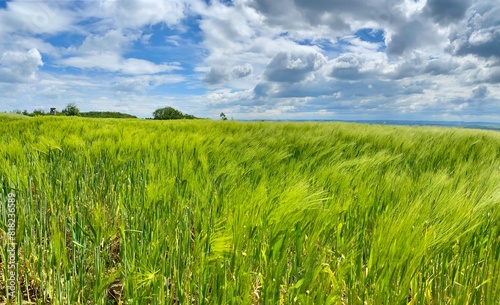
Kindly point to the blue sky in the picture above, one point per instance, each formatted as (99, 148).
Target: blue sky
(255, 59)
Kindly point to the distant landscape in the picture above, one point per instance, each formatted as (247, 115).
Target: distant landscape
(169, 113)
(458, 124)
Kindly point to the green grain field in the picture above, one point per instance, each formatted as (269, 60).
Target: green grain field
(204, 212)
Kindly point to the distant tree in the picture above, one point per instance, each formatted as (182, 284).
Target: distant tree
(71, 110)
(25, 112)
(223, 116)
(189, 117)
(38, 112)
(169, 113)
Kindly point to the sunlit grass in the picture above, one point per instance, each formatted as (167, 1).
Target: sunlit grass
(148, 212)
(12, 116)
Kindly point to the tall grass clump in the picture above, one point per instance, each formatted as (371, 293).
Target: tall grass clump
(201, 212)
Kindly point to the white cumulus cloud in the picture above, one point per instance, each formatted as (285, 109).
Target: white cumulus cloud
(19, 67)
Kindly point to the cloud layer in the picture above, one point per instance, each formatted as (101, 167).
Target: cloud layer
(293, 59)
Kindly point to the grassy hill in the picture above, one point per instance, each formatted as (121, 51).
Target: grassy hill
(12, 116)
(106, 114)
(204, 212)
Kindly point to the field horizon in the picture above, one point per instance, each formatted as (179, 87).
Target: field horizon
(486, 125)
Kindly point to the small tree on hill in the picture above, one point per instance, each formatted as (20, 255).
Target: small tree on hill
(169, 113)
(223, 116)
(71, 110)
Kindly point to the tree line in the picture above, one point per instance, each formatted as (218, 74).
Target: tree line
(165, 113)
